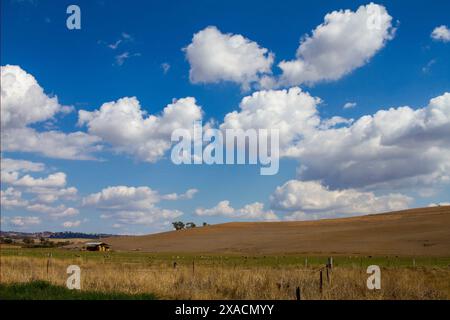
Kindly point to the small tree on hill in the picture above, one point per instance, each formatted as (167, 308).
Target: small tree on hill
(178, 225)
(190, 225)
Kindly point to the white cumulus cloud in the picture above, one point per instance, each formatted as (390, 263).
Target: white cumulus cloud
(40, 191)
(253, 211)
(345, 41)
(23, 222)
(71, 224)
(441, 33)
(12, 198)
(396, 147)
(25, 103)
(60, 211)
(11, 165)
(293, 112)
(349, 105)
(23, 100)
(215, 56)
(52, 181)
(129, 129)
(134, 205)
(311, 198)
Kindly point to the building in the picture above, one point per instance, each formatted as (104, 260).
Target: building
(97, 246)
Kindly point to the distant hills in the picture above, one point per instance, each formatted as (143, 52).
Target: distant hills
(54, 235)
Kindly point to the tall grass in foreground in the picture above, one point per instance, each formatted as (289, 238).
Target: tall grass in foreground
(231, 282)
(43, 290)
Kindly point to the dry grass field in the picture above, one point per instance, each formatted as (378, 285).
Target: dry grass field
(231, 277)
(416, 232)
(260, 260)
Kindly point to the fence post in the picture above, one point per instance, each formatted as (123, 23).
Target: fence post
(321, 281)
(193, 266)
(298, 294)
(330, 262)
(328, 275)
(48, 262)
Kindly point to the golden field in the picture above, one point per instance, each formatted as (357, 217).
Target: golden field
(260, 260)
(206, 280)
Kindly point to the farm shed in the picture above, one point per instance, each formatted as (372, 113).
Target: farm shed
(97, 246)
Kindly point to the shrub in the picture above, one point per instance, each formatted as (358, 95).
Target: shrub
(178, 225)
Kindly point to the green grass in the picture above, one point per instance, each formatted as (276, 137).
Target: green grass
(42, 290)
(167, 259)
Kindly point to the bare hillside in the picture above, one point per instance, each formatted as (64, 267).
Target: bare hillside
(423, 231)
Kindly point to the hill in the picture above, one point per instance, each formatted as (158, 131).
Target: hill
(53, 235)
(418, 232)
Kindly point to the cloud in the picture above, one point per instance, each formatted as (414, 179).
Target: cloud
(120, 42)
(54, 180)
(334, 122)
(124, 197)
(392, 148)
(50, 195)
(293, 112)
(23, 222)
(174, 196)
(12, 198)
(427, 67)
(127, 36)
(11, 165)
(166, 67)
(121, 58)
(369, 152)
(350, 105)
(254, 211)
(215, 56)
(129, 129)
(115, 45)
(24, 103)
(134, 205)
(441, 204)
(41, 191)
(441, 33)
(71, 224)
(303, 199)
(153, 216)
(124, 38)
(52, 144)
(345, 41)
(120, 197)
(60, 211)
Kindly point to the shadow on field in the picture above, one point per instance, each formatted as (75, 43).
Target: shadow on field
(42, 290)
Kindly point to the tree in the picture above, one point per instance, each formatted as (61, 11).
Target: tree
(205, 224)
(178, 225)
(28, 240)
(7, 240)
(190, 225)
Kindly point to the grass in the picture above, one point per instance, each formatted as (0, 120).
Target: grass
(43, 290)
(229, 260)
(226, 277)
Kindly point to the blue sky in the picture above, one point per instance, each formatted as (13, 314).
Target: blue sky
(83, 70)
